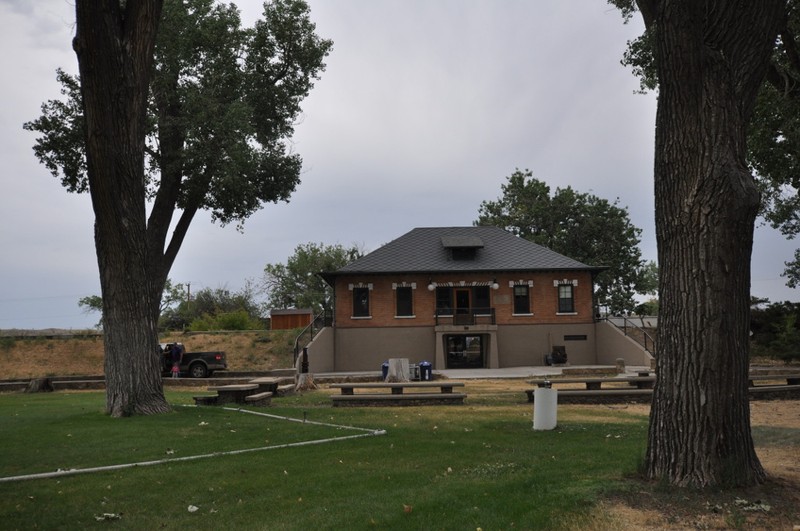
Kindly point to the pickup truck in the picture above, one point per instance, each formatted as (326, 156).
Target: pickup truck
(195, 364)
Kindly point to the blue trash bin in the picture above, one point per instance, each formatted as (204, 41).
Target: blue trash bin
(425, 371)
(384, 370)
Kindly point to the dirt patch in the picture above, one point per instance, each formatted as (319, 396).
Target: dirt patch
(774, 505)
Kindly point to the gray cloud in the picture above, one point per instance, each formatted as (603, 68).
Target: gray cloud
(424, 110)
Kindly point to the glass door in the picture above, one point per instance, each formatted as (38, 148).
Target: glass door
(464, 352)
(463, 314)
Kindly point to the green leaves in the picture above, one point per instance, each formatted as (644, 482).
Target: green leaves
(578, 225)
(223, 103)
(297, 284)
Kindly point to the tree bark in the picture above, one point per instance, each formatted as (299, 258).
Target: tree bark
(114, 43)
(712, 57)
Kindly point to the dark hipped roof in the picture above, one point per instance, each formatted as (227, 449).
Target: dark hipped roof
(428, 250)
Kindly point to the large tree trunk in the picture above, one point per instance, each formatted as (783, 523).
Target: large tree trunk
(711, 58)
(114, 45)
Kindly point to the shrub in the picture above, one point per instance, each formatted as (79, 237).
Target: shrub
(237, 320)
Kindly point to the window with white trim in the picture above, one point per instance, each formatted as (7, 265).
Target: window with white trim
(404, 302)
(360, 302)
(566, 298)
(522, 299)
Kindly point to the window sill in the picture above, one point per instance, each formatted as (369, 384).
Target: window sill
(521, 315)
(405, 316)
(361, 318)
(566, 313)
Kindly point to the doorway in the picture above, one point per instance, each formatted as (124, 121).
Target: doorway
(464, 351)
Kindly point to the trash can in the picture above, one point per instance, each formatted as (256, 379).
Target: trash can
(545, 408)
(425, 371)
(384, 370)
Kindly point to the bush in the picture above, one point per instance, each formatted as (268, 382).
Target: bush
(786, 345)
(7, 343)
(238, 320)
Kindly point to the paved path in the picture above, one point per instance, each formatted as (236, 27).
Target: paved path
(471, 374)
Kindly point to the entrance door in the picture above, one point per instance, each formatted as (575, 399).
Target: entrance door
(464, 352)
(463, 314)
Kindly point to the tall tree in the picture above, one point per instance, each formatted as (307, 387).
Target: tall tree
(114, 43)
(582, 226)
(213, 134)
(711, 58)
(297, 283)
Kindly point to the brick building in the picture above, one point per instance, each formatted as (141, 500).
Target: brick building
(459, 297)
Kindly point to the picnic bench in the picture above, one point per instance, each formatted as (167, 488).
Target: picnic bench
(640, 382)
(397, 395)
(641, 388)
(790, 378)
(235, 393)
(277, 385)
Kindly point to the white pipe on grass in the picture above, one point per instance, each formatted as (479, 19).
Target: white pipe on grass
(75, 471)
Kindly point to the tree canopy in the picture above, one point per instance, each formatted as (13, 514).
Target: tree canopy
(578, 225)
(297, 284)
(215, 309)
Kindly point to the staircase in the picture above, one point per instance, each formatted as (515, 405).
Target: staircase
(320, 321)
(641, 335)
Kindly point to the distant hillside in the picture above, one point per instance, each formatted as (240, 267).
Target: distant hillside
(48, 353)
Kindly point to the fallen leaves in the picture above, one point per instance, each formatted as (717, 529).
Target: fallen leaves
(105, 517)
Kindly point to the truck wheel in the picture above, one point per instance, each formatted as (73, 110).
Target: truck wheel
(198, 370)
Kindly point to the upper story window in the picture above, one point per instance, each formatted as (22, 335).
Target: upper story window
(444, 301)
(360, 302)
(566, 298)
(522, 300)
(404, 301)
(481, 300)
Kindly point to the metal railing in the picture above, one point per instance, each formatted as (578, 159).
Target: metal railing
(472, 316)
(320, 321)
(641, 336)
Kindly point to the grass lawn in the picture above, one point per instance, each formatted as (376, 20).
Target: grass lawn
(479, 465)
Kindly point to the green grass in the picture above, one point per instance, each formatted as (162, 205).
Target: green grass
(451, 467)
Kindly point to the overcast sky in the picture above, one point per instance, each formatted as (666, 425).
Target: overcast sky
(425, 108)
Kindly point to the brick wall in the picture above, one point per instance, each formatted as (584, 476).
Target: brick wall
(543, 297)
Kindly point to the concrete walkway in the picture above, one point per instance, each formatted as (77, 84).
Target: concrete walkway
(486, 374)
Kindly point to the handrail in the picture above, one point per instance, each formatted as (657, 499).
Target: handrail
(471, 317)
(647, 342)
(320, 321)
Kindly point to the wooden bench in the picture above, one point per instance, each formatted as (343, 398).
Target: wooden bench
(259, 399)
(205, 400)
(272, 383)
(640, 382)
(790, 378)
(396, 387)
(235, 393)
(599, 396)
(397, 395)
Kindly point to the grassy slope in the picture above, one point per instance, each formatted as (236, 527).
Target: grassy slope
(26, 358)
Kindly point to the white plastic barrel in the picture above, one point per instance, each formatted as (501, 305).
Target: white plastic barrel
(545, 408)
